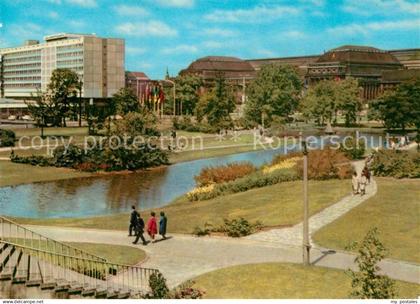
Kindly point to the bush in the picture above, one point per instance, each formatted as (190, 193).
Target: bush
(202, 231)
(396, 163)
(7, 138)
(353, 148)
(224, 173)
(233, 228)
(158, 287)
(34, 160)
(187, 291)
(239, 227)
(68, 157)
(326, 164)
(199, 192)
(186, 123)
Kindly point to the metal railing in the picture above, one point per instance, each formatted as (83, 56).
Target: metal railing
(76, 272)
(19, 235)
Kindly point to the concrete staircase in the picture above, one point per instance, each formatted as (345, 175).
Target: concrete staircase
(31, 269)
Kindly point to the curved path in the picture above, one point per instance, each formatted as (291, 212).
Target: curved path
(183, 257)
(293, 235)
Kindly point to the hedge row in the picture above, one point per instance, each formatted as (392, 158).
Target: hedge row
(119, 159)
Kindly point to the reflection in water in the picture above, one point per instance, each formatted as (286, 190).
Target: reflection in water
(111, 194)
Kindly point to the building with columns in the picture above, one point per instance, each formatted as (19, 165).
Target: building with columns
(375, 69)
(360, 62)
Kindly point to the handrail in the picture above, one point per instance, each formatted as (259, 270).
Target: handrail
(87, 272)
(70, 256)
(40, 238)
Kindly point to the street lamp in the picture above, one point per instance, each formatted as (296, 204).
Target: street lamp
(306, 246)
(88, 116)
(174, 92)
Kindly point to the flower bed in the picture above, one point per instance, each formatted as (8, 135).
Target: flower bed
(222, 174)
(287, 163)
(254, 180)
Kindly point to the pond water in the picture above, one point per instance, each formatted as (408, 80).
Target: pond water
(83, 197)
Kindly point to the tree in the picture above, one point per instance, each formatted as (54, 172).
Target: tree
(324, 99)
(320, 102)
(125, 101)
(399, 108)
(348, 99)
(137, 123)
(274, 92)
(63, 88)
(367, 283)
(220, 103)
(44, 110)
(187, 92)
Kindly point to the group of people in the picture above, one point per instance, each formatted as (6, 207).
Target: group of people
(401, 142)
(138, 227)
(359, 182)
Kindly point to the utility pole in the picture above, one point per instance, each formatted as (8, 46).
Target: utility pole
(306, 245)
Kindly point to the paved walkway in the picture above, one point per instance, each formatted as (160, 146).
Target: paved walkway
(293, 235)
(184, 257)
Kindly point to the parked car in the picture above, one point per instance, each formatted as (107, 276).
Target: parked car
(27, 117)
(12, 117)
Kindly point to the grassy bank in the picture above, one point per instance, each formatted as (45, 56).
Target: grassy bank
(14, 174)
(113, 253)
(277, 205)
(284, 281)
(394, 210)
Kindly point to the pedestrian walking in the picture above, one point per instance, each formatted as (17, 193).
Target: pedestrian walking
(362, 184)
(140, 231)
(162, 225)
(152, 226)
(355, 183)
(366, 173)
(133, 220)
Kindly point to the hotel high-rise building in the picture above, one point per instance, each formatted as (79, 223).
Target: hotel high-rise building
(99, 62)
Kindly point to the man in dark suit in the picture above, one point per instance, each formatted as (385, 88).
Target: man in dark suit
(134, 218)
(139, 231)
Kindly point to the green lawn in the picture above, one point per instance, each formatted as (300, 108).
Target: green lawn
(15, 174)
(395, 210)
(277, 205)
(284, 281)
(114, 253)
(68, 131)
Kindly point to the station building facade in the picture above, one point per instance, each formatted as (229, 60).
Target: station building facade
(375, 69)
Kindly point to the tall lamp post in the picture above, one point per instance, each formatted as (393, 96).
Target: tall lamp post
(174, 93)
(88, 116)
(306, 246)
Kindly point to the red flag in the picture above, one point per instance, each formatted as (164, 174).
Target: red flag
(161, 94)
